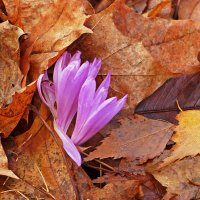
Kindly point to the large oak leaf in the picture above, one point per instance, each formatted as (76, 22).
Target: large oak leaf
(141, 52)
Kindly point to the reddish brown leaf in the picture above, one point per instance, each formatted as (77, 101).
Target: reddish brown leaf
(162, 103)
(136, 138)
(10, 116)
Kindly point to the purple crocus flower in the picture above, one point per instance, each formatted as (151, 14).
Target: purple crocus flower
(74, 90)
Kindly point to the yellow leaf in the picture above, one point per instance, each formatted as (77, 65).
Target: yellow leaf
(187, 137)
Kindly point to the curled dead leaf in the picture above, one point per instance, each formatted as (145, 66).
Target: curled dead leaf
(4, 165)
(51, 27)
(10, 74)
(10, 116)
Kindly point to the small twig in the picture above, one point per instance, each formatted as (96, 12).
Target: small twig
(14, 190)
(100, 162)
(98, 168)
(46, 186)
(6, 180)
(178, 105)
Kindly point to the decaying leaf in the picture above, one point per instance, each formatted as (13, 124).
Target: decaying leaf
(43, 169)
(178, 176)
(122, 190)
(136, 138)
(4, 165)
(10, 116)
(10, 74)
(147, 51)
(51, 26)
(186, 137)
(109, 178)
(162, 104)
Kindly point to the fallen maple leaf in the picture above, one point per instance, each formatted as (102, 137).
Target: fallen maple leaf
(4, 165)
(140, 52)
(10, 116)
(10, 74)
(136, 138)
(186, 137)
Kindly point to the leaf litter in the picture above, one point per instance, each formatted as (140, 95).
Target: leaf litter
(134, 156)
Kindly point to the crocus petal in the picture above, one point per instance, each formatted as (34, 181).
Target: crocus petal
(104, 108)
(46, 91)
(85, 101)
(100, 118)
(101, 93)
(69, 146)
(39, 87)
(76, 56)
(72, 85)
(94, 68)
(105, 83)
(61, 63)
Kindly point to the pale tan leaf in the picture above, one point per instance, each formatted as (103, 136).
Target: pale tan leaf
(10, 74)
(4, 165)
(177, 176)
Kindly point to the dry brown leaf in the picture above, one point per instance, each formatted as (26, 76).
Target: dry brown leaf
(4, 165)
(40, 164)
(136, 138)
(122, 190)
(189, 10)
(109, 178)
(176, 176)
(10, 116)
(10, 74)
(51, 26)
(186, 137)
(140, 52)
